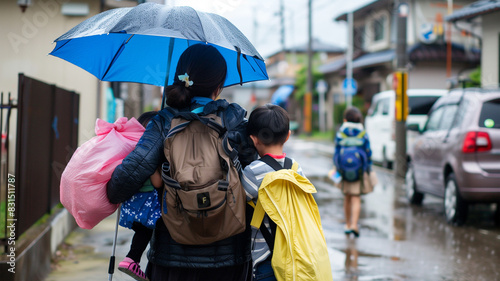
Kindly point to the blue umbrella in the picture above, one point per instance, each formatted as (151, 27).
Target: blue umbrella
(280, 96)
(143, 44)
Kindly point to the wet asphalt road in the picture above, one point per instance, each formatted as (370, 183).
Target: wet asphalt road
(399, 241)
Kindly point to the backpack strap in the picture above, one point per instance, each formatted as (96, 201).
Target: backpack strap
(359, 136)
(275, 165)
(259, 212)
(190, 116)
(210, 122)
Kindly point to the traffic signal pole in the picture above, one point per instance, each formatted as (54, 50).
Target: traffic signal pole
(308, 95)
(350, 35)
(401, 85)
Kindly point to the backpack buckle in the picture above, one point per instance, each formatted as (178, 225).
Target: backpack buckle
(223, 185)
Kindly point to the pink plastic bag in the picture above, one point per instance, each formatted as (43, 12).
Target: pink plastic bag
(83, 182)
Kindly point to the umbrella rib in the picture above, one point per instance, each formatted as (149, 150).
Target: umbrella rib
(67, 41)
(262, 70)
(245, 57)
(117, 54)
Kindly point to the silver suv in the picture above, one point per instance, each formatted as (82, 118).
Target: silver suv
(457, 155)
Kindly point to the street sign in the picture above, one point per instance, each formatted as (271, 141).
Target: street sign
(428, 33)
(321, 86)
(349, 87)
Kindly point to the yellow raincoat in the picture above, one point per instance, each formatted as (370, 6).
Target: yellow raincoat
(300, 251)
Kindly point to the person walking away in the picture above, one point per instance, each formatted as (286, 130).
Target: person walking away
(268, 128)
(352, 160)
(140, 214)
(198, 81)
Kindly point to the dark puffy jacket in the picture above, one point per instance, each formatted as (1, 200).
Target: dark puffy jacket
(147, 156)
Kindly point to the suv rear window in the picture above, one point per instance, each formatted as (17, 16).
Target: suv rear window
(490, 114)
(422, 104)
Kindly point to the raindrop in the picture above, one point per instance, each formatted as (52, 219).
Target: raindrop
(468, 256)
(472, 238)
(493, 252)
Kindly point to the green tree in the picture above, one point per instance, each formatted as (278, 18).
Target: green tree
(301, 84)
(474, 78)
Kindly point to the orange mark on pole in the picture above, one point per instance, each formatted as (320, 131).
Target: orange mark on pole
(307, 112)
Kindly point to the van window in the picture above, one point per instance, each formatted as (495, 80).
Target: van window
(490, 114)
(448, 116)
(434, 120)
(421, 104)
(383, 107)
(462, 112)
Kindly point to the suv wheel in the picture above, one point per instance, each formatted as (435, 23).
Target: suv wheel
(454, 206)
(412, 194)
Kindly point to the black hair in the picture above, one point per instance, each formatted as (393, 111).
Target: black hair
(206, 68)
(146, 117)
(269, 123)
(352, 114)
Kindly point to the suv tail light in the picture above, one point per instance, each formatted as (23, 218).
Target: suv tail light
(476, 142)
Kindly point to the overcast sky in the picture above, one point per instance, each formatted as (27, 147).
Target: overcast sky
(267, 38)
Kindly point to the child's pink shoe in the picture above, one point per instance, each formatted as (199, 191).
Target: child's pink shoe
(133, 269)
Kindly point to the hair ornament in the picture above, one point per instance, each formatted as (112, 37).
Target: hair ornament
(185, 78)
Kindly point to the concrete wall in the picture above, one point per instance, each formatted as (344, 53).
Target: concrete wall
(34, 251)
(432, 75)
(490, 60)
(26, 39)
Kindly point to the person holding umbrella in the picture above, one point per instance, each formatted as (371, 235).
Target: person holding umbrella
(198, 81)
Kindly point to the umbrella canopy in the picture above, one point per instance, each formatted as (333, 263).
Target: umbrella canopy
(281, 94)
(143, 44)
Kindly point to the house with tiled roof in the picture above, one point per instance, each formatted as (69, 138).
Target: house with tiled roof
(374, 44)
(485, 14)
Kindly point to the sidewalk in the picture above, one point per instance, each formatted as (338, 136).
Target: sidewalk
(85, 253)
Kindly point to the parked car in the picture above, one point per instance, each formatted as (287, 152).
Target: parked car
(380, 124)
(457, 155)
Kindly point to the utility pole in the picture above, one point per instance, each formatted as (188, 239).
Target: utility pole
(308, 95)
(350, 34)
(401, 85)
(253, 96)
(448, 41)
(282, 21)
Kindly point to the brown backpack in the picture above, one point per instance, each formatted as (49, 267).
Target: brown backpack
(203, 199)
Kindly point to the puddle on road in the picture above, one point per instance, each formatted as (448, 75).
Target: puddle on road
(403, 242)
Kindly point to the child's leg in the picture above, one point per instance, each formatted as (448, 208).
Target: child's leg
(139, 241)
(356, 210)
(347, 210)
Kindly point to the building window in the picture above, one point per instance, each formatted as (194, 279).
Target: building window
(379, 28)
(359, 37)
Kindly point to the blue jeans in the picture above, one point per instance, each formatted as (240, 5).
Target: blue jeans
(264, 271)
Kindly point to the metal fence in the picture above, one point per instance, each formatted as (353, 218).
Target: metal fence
(46, 137)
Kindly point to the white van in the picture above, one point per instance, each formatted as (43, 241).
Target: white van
(380, 121)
